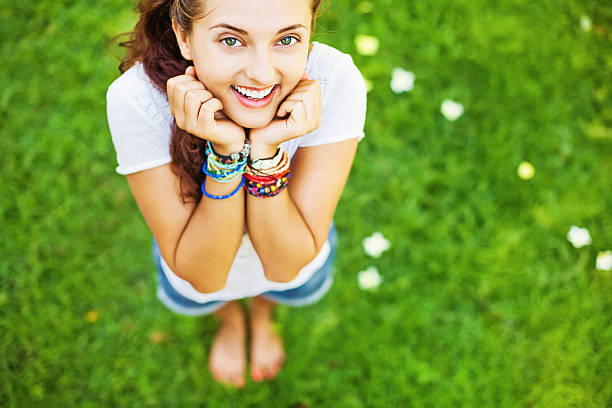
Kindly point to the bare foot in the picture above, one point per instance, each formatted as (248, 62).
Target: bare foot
(267, 352)
(227, 359)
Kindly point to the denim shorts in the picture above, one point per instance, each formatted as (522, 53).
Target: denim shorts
(309, 292)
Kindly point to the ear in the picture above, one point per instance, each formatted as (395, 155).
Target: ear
(181, 38)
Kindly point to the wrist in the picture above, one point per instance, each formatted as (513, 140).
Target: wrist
(229, 148)
(262, 150)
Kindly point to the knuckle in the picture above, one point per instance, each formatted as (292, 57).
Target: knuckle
(190, 94)
(195, 95)
(181, 87)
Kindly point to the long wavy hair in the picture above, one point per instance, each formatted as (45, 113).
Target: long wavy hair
(153, 43)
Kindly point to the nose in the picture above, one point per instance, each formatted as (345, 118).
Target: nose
(260, 67)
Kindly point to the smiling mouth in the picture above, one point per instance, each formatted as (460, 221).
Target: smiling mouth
(254, 93)
(254, 98)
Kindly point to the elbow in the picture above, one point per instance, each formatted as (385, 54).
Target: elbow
(283, 273)
(283, 277)
(286, 272)
(205, 280)
(206, 287)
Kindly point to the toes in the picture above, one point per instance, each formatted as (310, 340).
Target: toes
(238, 381)
(232, 381)
(271, 372)
(257, 374)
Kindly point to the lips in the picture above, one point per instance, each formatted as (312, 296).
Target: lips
(254, 103)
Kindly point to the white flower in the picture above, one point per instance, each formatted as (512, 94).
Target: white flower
(368, 84)
(451, 109)
(585, 23)
(401, 80)
(525, 170)
(366, 44)
(579, 237)
(604, 261)
(375, 244)
(369, 279)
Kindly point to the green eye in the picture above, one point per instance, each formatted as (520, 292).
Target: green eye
(288, 40)
(231, 41)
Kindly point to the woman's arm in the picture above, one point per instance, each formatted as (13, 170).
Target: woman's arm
(198, 242)
(289, 229)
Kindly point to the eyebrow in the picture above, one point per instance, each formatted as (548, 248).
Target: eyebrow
(241, 31)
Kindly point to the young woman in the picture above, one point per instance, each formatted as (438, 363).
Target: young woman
(237, 135)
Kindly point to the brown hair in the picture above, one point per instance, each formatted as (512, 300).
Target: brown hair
(154, 44)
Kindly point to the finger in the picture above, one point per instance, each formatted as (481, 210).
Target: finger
(212, 105)
(171, 84)
(304, 77)
(305, 97)
(176, 97)
(191, 72)
(301, 88)
(193, 100)
(206, 114)
(286, 107)
(311, 98)
(297, 93)
(298, 118)
(294, 123)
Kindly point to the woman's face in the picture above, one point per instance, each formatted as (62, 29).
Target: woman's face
(250, 54)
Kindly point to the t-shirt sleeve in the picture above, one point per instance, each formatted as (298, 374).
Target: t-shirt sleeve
(343, 107)
(140, 141)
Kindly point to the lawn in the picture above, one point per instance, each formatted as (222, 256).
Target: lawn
(483, 302)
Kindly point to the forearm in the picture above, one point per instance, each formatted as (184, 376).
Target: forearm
(211, 238)
(280, 236)
(279, 233)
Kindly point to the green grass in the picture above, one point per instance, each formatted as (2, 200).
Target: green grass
(484, 302)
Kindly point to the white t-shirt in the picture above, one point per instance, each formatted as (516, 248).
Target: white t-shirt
(139, 119)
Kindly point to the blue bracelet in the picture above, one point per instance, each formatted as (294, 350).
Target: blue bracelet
(216, 197)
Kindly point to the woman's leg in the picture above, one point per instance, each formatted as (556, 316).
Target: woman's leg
(227, 359)
(267, 352)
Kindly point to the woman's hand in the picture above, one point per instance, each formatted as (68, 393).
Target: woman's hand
(297, 115)
(196, 111)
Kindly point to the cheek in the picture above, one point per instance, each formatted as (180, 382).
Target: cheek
(293, 68)
(213, 75)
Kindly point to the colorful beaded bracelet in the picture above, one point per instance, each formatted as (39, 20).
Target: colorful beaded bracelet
(232, 158)
(258, 189)
(225, 168)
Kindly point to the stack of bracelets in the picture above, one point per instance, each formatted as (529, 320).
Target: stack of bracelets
(268, 177)
(261, 177)
(225, 169)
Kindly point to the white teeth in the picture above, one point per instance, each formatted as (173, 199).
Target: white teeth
(252, 94)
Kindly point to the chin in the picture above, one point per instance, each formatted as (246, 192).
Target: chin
(253, 120)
